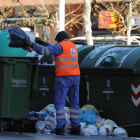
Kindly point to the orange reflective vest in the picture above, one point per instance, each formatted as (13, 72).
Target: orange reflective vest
(66, 64)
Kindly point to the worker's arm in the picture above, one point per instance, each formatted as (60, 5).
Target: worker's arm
(41, 42)
(49, 49)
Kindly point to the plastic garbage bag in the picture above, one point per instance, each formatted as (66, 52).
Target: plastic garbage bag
(67, 113)
(99, 122)
(40, 126)
(42, 117)
(50, 122)
(35, 116)
(111, 122)
(17, 38)
(110, 130)
(49, 109)
(87, 107)
(83, 125)
(105, 130)
(91, 130)
(88, 117)
(120, 132)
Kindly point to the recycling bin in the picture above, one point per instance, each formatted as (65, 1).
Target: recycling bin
(83, 50)
(16, 84)
(45, 95)
(6, 51)
(113, 81)
(46, 79)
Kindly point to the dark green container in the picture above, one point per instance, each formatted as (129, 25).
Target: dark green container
(17, 82)
(113, 79)
(46, 80)
(5, 50)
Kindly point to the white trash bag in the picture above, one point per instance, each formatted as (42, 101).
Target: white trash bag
(50, 122)
(105, 130)
(120, 132)
(83, 125)
(40, 126)
(49, 108)
(91, 130)
(67, 113)
(99, 122)
(111, 122)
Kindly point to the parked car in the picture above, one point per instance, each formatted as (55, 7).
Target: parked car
(117, 40)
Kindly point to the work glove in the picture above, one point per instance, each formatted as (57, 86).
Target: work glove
(28, 45)
(40, 41)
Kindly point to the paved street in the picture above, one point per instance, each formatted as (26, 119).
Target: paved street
(29, 136)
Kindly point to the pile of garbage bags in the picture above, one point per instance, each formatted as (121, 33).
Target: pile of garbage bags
(91, 122)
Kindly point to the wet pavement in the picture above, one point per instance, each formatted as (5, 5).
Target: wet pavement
(31, 136)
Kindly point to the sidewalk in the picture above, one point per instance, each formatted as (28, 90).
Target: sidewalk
(30, 136)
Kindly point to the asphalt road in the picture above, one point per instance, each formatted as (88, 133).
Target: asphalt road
(30, 136)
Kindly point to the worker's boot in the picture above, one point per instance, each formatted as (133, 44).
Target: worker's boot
(75, 130)
(59, 131)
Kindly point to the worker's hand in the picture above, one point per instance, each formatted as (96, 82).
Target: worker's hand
(40, 41)
(27, 48)
(29, 43)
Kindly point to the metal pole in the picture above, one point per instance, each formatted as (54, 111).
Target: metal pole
(61, 15)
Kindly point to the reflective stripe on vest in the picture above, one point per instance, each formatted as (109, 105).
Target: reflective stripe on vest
(67, 66)
(66, 59)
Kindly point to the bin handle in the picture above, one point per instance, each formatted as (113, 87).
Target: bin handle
(32, 63)
(9, 61)
(109, 61)
(13, 61)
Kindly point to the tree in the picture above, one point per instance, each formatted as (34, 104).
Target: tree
(4, 13)
(126, 10)
(87, 22)
(47, 16)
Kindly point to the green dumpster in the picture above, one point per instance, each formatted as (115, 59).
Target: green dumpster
(113, 81)
(5, 50)
(45, 96)
(17, 77)
(46, 79)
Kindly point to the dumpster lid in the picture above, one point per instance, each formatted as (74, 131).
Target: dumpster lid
(113, 56)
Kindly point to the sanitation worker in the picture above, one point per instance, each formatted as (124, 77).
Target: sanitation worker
(67, 78)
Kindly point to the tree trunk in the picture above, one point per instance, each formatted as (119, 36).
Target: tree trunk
(129, 23)
(87, 22)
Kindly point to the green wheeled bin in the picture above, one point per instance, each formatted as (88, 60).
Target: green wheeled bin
(46, 79)
(17, 83)
(6, 51)
(113, 81)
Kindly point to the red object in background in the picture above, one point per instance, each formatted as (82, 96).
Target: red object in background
(106, 20)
